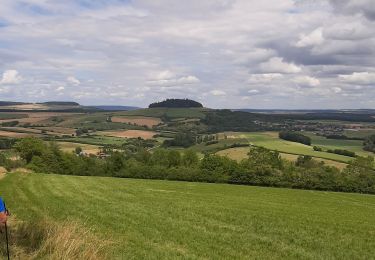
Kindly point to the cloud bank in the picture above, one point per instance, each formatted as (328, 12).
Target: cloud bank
(224, 53)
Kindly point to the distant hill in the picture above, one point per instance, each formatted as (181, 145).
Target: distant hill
(11, 103)
(176, 103)
(116, 108)
(60, 103)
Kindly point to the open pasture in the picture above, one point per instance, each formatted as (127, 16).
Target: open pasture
(271, 141)
(350, 145)
(141, 121)
(129, 134)
(169, 220)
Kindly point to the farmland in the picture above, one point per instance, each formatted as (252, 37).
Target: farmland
(141, 121)
(169, 220)
(129, 134)
(271, 141)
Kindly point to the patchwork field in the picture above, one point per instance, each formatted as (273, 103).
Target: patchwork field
(141, 121)
(168, 220)
(87, 148)
(37, 117)
(129, 134)
(15, 134)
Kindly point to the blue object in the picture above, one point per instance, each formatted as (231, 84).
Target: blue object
(2, 205)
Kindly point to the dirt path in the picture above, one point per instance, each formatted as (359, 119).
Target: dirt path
(3, 171)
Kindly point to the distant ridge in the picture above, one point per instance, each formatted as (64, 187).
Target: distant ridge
(116, 108)
(11, 103)
(60, 103)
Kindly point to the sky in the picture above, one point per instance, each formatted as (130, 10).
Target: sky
(290, 54)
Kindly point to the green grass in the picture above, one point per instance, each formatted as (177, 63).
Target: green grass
(350, 145)
(169, 112)
(222, 144)
(271, 141)
(362, 133)
(170, 220)
(95, 140)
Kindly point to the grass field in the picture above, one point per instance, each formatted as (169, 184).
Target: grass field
(271, 141)
(129, 134)
(169, 220)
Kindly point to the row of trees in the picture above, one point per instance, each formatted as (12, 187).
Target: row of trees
(262, 167)
(295, 137)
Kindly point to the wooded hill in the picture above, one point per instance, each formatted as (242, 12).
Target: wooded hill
(176, 103)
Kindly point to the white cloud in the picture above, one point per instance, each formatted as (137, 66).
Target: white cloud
(277, 65)
(312, 39)
(253, 92)
(306, 81)
(74, 81)
(10, 77)
(168, 78)
(265, 78)
(218, 92)
(362, 78)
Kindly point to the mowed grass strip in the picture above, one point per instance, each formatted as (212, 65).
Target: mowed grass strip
(170, 220)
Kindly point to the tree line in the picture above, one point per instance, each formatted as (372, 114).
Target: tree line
(262, 167)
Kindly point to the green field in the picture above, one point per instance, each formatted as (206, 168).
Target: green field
(270, 140)
(167, 220)
(350, 145)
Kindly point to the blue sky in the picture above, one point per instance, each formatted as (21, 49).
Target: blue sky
(224, 53)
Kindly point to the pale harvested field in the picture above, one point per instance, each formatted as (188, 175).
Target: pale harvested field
(22, 129)
(37, 117)
(14, 134)
(87, 148)
(141, 121)
(130, 134)
(58, 130)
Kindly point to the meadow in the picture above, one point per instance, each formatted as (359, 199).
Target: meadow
(146, 219)
(270, 140)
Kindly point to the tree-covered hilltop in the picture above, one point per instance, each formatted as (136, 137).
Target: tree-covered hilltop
(60, 103)
(176, 103)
